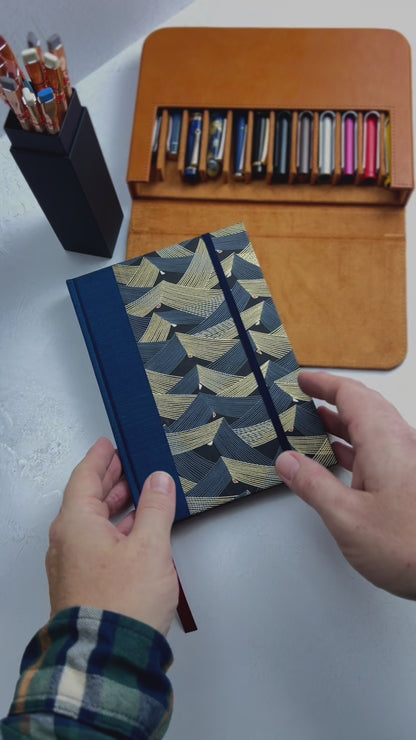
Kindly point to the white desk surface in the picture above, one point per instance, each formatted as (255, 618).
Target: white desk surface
(292, 643)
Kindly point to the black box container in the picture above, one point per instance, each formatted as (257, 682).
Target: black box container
(70, 180)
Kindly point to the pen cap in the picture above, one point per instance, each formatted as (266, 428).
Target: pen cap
(69, 178)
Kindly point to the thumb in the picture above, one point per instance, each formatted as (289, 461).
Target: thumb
(156, 508)
(316, 485)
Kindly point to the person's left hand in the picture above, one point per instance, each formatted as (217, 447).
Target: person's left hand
(126, 568)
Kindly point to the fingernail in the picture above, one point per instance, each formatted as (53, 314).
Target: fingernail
(161, 482)
(287, 466)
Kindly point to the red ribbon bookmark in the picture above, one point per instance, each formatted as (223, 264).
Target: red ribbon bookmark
(184, 611)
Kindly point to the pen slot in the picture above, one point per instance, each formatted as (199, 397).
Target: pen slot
(173, 138)
(326, 146)
(272, 144)
(260, 144)
(249, 148)
(281, 148)
(228, 147)
(351, 147)
(240, 140)
(314, 175)
(337, 150)
(182, 142)
(161, 150)
(371, 147)
(387, 150)
(194, 140)
(304, 147)
(360, 168)
(157, 123)
(202, 165)
(213, 157)
(293, 147)
(382, 152)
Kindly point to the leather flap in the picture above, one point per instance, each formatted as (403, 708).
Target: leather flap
(336, 274)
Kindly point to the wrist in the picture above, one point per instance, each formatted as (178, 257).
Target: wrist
(87, 660)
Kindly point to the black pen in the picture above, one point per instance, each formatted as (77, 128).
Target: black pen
(261, 136)
(193, 147)
(282, 146)
(216, 143)
(304, 146)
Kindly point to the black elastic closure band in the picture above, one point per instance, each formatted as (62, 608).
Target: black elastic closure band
(242, 333)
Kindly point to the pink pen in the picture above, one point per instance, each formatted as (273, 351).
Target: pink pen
(371, 146)
(349, 145)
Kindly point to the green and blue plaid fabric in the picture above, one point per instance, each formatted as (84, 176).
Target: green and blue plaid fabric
(92, 674)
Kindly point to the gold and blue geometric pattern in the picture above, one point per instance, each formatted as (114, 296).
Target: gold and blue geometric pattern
(203, 343)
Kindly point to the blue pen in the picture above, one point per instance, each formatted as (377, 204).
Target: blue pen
(193, 148)
(174, 134)
(240, 145)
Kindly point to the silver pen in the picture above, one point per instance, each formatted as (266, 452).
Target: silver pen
(326, 163)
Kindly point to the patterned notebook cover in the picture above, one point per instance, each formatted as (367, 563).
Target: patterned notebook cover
(196, 370)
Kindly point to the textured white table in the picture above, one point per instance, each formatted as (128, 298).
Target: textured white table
(291, 643)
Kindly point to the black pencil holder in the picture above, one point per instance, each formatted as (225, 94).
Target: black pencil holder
(70, 180)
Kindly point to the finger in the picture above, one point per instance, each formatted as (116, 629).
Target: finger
(345, 455)
(333, 423)
(323, 385)
(156, 507)
(100, 456)
(118, 498)
(88, 476)
(317, 486)
(112, 474)
(126, 525)
(364, 412)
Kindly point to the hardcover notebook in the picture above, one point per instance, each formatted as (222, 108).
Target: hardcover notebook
(196, 370)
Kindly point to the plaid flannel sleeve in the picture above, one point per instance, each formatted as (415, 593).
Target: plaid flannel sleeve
(92, 674)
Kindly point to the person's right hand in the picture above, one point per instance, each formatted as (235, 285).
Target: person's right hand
(374, 521)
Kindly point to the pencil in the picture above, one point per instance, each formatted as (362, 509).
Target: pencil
(47, 102)
(55, 46)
